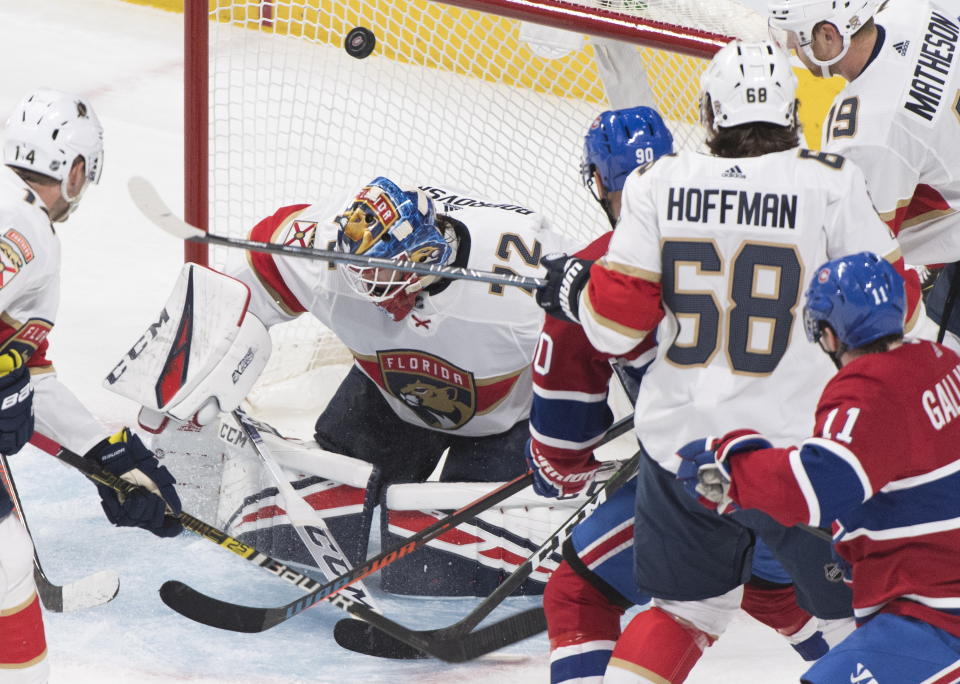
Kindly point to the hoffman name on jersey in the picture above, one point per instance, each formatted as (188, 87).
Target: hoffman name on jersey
(936, 57)
(710, 205)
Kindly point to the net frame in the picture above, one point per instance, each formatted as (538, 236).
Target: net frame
(646, 23)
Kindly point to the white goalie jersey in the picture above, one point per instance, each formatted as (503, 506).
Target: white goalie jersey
(461, 360)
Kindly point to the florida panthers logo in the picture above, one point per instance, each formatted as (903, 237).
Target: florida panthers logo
(440, 394)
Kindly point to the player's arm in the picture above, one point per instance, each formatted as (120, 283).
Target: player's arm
(272, 297)
(569, 412)
(851, 456)
(621, 304)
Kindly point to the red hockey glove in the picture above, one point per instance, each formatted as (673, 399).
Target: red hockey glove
(555, 480)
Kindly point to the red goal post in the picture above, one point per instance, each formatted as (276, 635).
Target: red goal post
(492, 96)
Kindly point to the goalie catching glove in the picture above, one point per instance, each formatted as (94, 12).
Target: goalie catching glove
(566, 277)
(125, 455)
(16, 403)
(704, 471)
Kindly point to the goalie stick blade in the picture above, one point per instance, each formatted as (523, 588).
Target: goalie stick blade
(213, 612)
(360, 637)
(151, 205)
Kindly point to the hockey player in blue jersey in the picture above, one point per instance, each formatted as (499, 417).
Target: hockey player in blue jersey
(593, 587)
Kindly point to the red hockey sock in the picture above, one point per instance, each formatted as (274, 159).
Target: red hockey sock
(22, 641)
(576, 611)
(656, 647)
(776, 607)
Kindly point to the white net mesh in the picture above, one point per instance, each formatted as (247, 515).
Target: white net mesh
(449, 96)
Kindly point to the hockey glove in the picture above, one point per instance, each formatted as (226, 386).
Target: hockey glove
(566, 277)
(704, 470)
(16, 403)
(125, 455)
(555, 481)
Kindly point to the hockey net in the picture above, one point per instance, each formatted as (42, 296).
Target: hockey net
(488, 96)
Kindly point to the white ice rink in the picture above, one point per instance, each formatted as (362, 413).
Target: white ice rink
(117, 273)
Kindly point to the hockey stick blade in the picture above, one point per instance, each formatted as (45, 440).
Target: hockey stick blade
(93, 590)
(148, 200)
(361, 637)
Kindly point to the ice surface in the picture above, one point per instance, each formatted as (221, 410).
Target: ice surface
(117, 273)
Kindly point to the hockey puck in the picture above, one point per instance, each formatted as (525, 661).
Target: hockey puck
(359, 42)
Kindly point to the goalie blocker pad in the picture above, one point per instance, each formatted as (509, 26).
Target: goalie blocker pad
(474, 558)
(201, 355)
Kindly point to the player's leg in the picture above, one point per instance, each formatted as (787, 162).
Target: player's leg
(359, 423)
(23, 646)
(810, 561)
(770, 598)
(890, 648)
(588, 593)
(693, 561)
(496, 458)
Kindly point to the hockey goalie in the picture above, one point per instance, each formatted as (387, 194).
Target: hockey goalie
(440, 365)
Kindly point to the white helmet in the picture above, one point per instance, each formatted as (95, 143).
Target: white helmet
(749, 82)
(47, 131)
(792, 22)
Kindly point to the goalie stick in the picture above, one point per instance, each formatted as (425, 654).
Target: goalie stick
(309, 526)
(94, 590)
(148, 200)
(240, 618)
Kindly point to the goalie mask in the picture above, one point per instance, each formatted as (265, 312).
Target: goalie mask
(792, 23)
(386, 222)
(748, 83)
(47, 131)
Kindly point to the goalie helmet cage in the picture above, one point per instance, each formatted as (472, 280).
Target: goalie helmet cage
(490, 96)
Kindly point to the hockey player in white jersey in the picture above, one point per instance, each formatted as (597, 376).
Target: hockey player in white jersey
(438, 363)
(711, 251)
(897, 116)
(53, 151)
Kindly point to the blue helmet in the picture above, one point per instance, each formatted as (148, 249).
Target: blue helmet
(389, 223)
(861, 297)
(619, 141)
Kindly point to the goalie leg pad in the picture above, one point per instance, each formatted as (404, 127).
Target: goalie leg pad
(23, 646)
(339, 488)
(474, 558)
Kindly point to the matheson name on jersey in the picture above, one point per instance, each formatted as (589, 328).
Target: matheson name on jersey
(933, 67)
(712, 205)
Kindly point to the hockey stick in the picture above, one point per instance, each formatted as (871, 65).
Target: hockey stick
(94, 590)
(148, 200)
(240, 618)
(310, 527)
(442, 643)
(118, 484)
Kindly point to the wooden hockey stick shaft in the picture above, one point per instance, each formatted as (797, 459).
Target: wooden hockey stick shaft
(148, 200)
